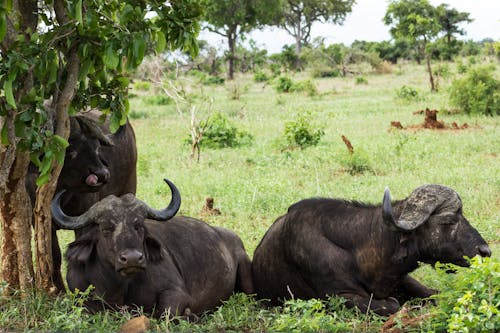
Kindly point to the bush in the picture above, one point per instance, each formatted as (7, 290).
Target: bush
(221, 133)
(477, 93)
(361, 80)
(306, 86)
(470, 302)
(407, 93)
(283, 84)
(301, 132)
(356, 163)
(214, 80)
(142, 85)
(325, 71)
(260, 76)
(158, 100)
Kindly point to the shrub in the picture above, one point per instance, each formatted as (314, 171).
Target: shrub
(158, 100)
(470, 302)
(356, 162)
(214, 80)
(306, 86)
(221, 133)
(407, 93)
(260, 76)
(142, 85)
(301, 132)
(361, 80)
(283, 84)
(477, 93)
(325, 71)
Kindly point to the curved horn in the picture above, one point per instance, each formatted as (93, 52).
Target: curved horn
(64, 221)
(425, 201)
(387, 213)
(169, 212)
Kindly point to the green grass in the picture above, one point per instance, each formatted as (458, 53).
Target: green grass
(253, 185)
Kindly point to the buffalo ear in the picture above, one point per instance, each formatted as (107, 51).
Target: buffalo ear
(80, 250)
(405, 249)
(153, 249)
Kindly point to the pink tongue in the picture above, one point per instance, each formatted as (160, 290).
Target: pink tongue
(92, 180)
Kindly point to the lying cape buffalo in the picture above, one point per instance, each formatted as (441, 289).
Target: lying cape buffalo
(361, 252)
(181, 267)
(97, 164)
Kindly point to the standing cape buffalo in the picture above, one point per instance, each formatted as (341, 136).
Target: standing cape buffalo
(181, 267)
(363, 253)
(97, 164)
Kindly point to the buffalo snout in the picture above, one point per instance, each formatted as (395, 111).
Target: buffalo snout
(484, 250)
(131, 261)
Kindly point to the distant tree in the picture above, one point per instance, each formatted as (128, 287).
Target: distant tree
(77, 55)
(415, 21)
(449, 19)
(233, 19)
(297, 17)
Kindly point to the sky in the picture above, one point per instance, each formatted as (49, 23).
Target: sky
(365, 23)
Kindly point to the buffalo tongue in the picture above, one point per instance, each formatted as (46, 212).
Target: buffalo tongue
(92, 180)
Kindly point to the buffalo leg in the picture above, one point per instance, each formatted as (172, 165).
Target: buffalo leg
(175, 303)
(56, 263)
(383, 307)
(410, 288)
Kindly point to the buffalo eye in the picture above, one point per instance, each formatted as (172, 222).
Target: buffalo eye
(137, 226)
(71, 152)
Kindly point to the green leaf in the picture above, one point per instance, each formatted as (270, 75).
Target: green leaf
(139, 49)
(161, 41)
(4, 136)
(3, 25)
(78, 13)
(110, 58)
(7, 88)
(42, 179)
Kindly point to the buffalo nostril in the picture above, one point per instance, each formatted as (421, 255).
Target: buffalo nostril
(123, 259)
(484, 250)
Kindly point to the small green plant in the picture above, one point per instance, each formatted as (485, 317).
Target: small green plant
(471, 300)
(301, 132)
(275, 69)
(213, 80)
(283, 84)
(158, 100)
(220, 132)
(260, 76)
(356, 163)
(361, 80)
(407, 93)
(142, 85)
(306, 86)
(477, 93)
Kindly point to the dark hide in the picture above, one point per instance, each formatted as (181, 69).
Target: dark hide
(180, 267)
(96, 165)
(325, 247)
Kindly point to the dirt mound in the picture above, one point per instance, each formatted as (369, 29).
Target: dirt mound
(430, 122)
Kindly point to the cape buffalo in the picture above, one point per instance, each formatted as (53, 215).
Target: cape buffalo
(97, 164)
(362, 252)
(182, 267)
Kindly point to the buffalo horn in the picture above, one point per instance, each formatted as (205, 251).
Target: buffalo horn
(387, 213)
(64, 221)
(422, 203)
(169, 212)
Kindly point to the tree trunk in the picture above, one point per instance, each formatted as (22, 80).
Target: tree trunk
(15, 211)
(47, 279)
(231, 38)
(429, 69)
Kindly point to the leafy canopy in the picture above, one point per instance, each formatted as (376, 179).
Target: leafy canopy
(105, 39)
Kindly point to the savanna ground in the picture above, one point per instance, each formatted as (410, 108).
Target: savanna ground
(254, 184)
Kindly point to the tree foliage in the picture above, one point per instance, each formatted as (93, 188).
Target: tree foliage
(235, 18)
(297, 17)
(75, 54)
